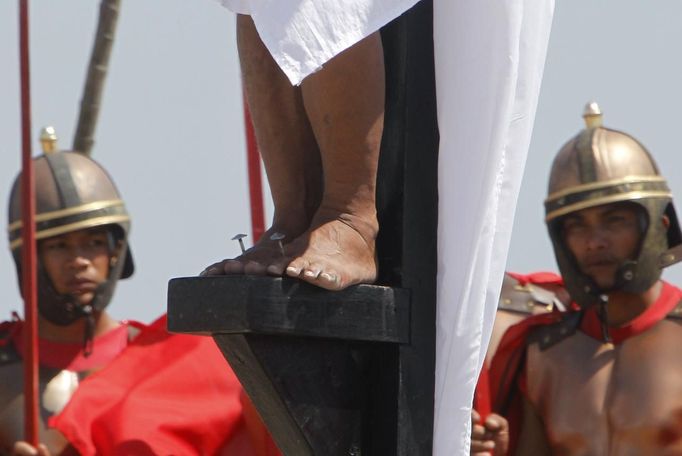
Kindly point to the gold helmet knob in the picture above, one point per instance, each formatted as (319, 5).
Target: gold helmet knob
(48, 139)
(592, 115)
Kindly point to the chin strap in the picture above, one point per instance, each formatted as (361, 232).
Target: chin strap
(603, 315)
(89, 331)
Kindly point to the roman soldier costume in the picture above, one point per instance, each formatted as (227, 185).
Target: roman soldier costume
(594, 388)
(73, 192)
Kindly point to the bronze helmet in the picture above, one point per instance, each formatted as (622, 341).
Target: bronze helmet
(601, 166)
(73, 192)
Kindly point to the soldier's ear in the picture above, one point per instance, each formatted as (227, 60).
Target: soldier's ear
(666, 221)
(118, 251)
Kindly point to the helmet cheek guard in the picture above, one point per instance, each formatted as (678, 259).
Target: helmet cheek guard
(120, 266)
(601, 166)
(73, 192)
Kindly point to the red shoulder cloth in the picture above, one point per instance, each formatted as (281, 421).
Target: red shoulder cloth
(60, 355)
(70, 356)
(538, 278)
(165, 394)
(668, 299)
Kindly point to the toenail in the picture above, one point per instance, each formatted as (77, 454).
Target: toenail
(293, 270)
(309, 274)
(328, 277)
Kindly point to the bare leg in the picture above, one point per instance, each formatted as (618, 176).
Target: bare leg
(345, 105)
(287, 145)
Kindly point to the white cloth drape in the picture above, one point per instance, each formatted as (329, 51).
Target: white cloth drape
(302, 35)
(489, 57)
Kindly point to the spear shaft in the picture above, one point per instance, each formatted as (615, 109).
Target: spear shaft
(84, 138)
(28, 249)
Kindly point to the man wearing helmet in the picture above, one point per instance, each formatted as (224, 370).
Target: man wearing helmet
(606, 379)
(82, 228)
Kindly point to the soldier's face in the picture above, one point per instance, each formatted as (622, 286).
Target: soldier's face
(77, 262)
(601, 238)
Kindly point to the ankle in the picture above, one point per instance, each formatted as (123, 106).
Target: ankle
(291, 228)
(365, 223)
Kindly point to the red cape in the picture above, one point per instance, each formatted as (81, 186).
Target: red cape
(165, 394)
(483, 395)
(506, 368)
(487, 396)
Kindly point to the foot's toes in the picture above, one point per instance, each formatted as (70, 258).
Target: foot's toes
(311, 273)
(275, 270)
(254, 268)
(214, 269)
(293, 271)
(297, 267)
(233, 267)
(317, 276)
(278, 267)
(329, 280)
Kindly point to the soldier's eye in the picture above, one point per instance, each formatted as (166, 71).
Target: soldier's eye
(98, 242)
(619, 220)
(55, 245)
(572, 224)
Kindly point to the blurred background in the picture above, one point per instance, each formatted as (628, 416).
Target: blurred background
(171, 128)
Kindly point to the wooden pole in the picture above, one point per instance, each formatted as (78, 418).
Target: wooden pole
(84, 138)
(28, 248)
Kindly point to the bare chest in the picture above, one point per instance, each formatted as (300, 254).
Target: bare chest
(596, 398)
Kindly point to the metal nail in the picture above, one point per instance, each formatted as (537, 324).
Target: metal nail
(239, 237)
(278, 237)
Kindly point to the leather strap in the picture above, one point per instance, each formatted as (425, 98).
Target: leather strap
(523, 299)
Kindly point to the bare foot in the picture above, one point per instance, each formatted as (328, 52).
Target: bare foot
(337, 251)
(255, 260)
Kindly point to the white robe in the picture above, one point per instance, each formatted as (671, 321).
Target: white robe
(489, 58)
(302, 35)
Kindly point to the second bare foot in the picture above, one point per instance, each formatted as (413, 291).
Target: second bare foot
(337, 251)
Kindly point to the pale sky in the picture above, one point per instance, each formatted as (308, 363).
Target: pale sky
(171, 130)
